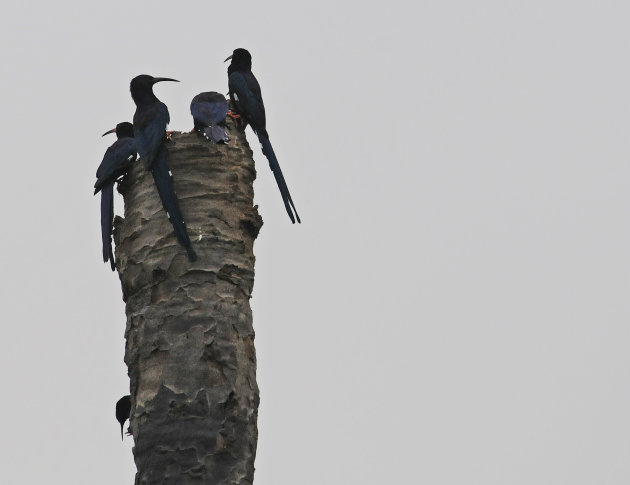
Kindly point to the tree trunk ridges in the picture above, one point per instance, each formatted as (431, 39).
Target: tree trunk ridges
(190, 340)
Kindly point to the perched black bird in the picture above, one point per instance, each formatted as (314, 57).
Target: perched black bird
(116, 163)
(209, 111)
(247, 101)
(123, 408)
(149, 126)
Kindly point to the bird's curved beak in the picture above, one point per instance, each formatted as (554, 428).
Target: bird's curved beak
(228, 58)
(159, 79)
(108, 132)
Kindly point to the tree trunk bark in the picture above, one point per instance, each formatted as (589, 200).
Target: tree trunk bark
(189, 335)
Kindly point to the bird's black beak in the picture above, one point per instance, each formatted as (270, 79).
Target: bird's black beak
(159, 79)
(228, 58)
(108, 132)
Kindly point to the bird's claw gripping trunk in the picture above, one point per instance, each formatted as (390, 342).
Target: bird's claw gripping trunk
(189, 335)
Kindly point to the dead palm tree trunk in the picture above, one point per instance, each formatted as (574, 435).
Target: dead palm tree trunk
(189, 336)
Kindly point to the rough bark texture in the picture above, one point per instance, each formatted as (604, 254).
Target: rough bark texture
(189, 336)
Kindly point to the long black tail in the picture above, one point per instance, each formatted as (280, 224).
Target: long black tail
(282, 185)
(107, 221)
(164, 184)
(216, 134)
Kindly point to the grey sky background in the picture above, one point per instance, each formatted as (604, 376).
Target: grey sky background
(453, 309)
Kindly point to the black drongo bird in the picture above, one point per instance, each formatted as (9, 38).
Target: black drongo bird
(116, 163)
(248, 103)
(123, 408)
(149, 126)
(209, 111)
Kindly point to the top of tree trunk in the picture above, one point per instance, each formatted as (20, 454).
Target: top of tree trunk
(214, 185)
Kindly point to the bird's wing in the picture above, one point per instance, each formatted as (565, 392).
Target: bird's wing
(149, 128)
(116, 162)
(123, 408)
(245, 94)
(107, 220)
(209, 109)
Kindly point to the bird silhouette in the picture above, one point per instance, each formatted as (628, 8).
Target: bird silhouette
(116, 163)
(149, 126)
(247, 101)
(123, 408)
(209, 111)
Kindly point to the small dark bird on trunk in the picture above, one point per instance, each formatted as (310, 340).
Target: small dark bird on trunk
(116, 163)
(123, 408)
(247, 101)
(149, 126)
(209, 111)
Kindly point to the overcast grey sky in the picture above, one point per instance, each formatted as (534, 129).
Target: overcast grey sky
(453, 309)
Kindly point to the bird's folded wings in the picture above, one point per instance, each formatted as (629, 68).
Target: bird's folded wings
(150, 129)
(209, 112)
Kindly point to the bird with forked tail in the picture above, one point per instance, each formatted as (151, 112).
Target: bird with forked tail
(149, 125)
(116, 163)
(247, 101)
